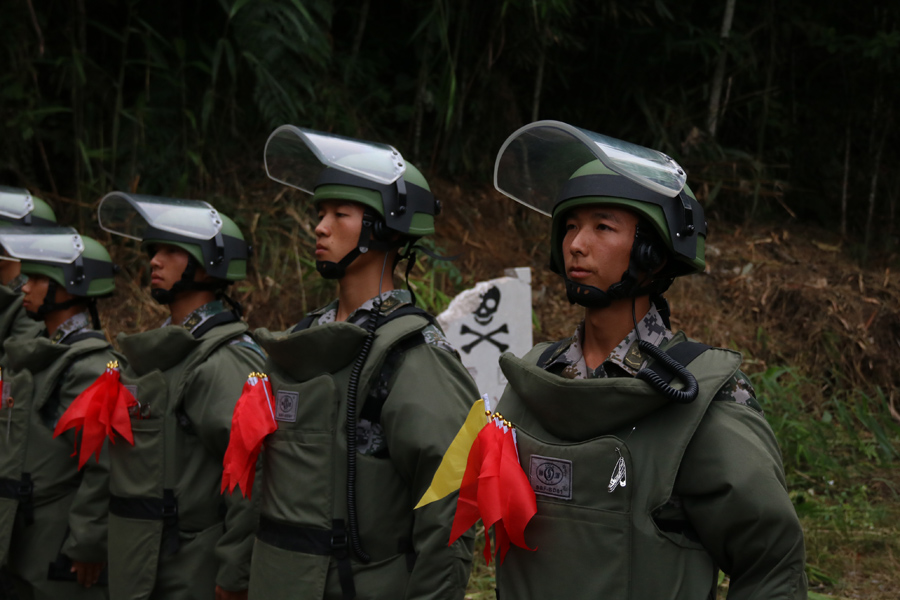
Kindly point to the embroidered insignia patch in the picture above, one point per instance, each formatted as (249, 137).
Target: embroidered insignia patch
(618, 475)
(286, 406)
(551, 476)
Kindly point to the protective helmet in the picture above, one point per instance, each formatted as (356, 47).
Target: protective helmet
(213, 241)
(553, 167)
(399, 204)
(81, 265)
(19, 207)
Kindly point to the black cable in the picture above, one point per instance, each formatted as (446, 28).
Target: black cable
(685, 396)
(352, 390)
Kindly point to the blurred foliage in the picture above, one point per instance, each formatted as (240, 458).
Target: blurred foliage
(163, 97)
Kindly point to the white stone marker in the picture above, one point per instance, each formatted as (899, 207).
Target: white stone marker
(487, 320)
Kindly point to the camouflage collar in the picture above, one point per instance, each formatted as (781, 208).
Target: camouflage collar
(74, 324)
(17, 282)
(200, 315)
(569, 358)
(390, 301)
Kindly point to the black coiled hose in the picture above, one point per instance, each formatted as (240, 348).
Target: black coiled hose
(685, 396)
(352, 388)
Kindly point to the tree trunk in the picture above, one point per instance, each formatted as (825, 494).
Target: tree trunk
(846, 180)
(764, 119)
(875, 168)
(357, 40)
(719, 76)
(539, 80)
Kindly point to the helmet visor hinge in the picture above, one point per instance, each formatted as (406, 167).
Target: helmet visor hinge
(400, 209)
(220, 249)
(79, 271)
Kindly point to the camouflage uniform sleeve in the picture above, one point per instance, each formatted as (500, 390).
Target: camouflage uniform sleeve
(431, 394)
(88, 513)
(214, 391)
(738, 389)
(732, 486)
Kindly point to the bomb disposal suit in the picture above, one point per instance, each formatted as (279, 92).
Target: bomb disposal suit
(337, 516)
(50, 512)
(171, 534)
(18, 207)
(649, 477)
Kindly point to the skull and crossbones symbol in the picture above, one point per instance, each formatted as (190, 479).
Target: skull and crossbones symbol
(484, 314)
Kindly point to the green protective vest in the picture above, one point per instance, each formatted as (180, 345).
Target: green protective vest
(151, 501)
(14, 323)
(305, 466)
(602, 456)
(34, 466)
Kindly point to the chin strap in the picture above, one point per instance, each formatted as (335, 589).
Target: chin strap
(336, 270)
(187, 283)
(50, 305)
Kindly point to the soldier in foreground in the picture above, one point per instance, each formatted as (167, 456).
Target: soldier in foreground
(337, 518)
(651, 459)
(54, 534)
(172, 536)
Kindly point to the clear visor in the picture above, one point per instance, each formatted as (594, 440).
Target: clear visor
(60, 245)
(15, 203)
(296, 156)
(132, 215)
(536, 161)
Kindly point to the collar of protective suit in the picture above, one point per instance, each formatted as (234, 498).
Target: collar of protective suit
(310, 352)
(580, 409)
(34, 354)
(8, 296)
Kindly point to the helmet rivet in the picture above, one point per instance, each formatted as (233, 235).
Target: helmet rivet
(678, 235)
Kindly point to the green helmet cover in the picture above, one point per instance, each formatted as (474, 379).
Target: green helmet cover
(421, 224)
(652, 213)
(237, 268)
(63, 274)
(41, 211)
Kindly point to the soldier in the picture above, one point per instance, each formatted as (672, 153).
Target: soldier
(18, 207)
(54, 533)
(651, 459)
(171, 535)
(337, 518)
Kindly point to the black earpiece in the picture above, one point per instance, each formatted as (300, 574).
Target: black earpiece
(379, 230)
(647, 252)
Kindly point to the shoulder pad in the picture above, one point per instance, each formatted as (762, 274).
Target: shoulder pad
(246, 341)
(738, 389)
(435, 337)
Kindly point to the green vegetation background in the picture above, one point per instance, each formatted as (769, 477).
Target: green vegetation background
(782, 113)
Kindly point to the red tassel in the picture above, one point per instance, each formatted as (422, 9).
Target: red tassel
(252, 421)
(495, 490)
(97, 413)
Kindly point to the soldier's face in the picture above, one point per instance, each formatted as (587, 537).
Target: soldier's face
(597, 244)
(35, 290)
(167, 265)
(337, 233)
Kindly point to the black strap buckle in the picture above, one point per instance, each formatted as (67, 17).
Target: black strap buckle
(339, 540)
(26, 487)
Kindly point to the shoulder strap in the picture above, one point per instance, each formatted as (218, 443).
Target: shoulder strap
(84, 335)
(548, 353)
(381, 388)
(214, 321)
(406, 309)
(304, 323)
(683, 353)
